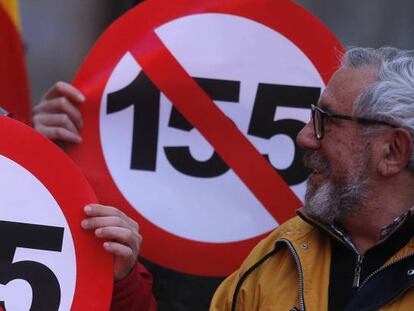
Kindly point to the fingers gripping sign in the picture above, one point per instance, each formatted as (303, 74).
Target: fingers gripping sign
(57, 116)
(119, 233)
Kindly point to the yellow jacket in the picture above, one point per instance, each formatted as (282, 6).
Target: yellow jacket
(295, 276)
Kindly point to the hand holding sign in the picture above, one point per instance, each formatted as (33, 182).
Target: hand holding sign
(57, 116)
(120, 234)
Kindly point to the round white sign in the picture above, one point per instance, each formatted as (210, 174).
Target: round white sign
(240, 56)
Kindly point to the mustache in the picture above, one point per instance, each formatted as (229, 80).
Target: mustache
(316, 161)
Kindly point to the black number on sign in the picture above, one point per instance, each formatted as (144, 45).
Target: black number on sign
(145, 99)
(44, 284)
(180, 156)
(262, 124)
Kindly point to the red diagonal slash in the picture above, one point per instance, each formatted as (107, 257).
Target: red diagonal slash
(233, 147)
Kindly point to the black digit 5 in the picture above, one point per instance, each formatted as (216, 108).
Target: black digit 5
(45, 286)
(179, 156)
(262, 124)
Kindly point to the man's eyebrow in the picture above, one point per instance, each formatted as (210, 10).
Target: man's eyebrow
(323, 105)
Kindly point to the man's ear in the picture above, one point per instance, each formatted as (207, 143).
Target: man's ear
(396, 152)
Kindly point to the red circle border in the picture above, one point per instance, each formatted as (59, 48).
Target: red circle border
(287, 18)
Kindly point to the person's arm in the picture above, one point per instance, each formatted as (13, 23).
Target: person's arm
(134, 292)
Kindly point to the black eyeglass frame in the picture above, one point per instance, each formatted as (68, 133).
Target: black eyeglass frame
(320, 131)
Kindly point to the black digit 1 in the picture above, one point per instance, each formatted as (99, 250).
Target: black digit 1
(45, 286)
(262, 124)
(179, 156)
(145, 98)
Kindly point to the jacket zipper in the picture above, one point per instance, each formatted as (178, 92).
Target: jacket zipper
(300, 272)
(384, 267)
(357, 271)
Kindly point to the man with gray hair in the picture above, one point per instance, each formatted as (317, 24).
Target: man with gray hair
(352, 245)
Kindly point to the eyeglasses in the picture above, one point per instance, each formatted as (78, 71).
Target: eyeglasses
(319, 115)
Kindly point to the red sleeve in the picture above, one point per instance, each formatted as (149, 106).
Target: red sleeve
(134, 292)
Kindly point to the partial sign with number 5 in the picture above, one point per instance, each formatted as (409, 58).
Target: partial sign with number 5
(42, 247)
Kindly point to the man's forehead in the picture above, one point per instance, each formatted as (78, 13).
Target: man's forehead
(345, 86)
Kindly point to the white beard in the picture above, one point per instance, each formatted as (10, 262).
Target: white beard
(331, 202)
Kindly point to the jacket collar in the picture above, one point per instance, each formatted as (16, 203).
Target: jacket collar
(327, 229)
(335, 234)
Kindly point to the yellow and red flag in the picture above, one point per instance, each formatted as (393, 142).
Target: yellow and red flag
(14, 87)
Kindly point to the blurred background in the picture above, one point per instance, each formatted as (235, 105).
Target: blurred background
(58, 34)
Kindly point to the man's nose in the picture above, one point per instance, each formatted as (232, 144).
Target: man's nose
(306, 138)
